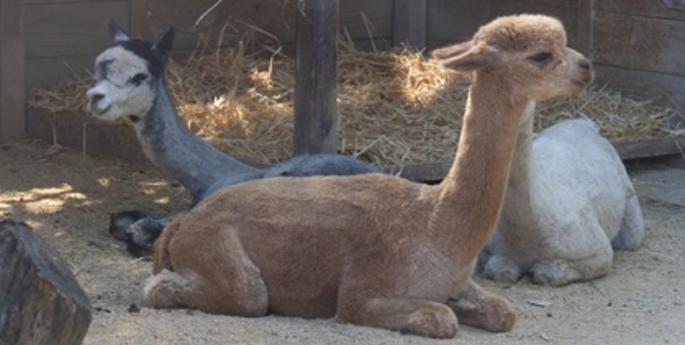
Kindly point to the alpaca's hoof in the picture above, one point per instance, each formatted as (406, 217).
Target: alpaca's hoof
(165, 290)
(502, 269)
(434, 322)
(120, 222)
(489, 312)
(501, 315)
(141, 236)
(553, 273)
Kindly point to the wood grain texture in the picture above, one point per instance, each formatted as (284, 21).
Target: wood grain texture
(410, 23)
(585, 28)
(436, 171)
(273, 18)
(643, 43)
(316, 78)
(48, 71)
(67, 29)
(12, 93)
(663, 88)
(650, 148)
(451, 21)
(102, 139)
(666, 9)
(64, 36)
(42, 302)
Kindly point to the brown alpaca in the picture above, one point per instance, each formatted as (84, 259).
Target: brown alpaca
(376, 250)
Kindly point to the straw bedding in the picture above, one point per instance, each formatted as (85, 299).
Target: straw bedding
(395, 107)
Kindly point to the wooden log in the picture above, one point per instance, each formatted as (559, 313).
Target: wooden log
(41, 304)
(315, 88)
(410, 23)
(12, 91)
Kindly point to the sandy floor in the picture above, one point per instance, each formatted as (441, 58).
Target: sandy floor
(67, 200)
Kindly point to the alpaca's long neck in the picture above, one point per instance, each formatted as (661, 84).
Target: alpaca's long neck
(517, 209)
(471, 195)
(178, 152)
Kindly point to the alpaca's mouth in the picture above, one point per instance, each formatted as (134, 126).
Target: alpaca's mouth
(580, 83)
(97, 112)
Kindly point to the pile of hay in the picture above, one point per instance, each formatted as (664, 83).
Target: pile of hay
(395, 107)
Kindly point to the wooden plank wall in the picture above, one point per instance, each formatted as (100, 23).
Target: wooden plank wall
(639, 47)
(452, 21)
(12, 120)
(64, 36)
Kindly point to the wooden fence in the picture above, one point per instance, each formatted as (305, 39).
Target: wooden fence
(637, 46)
(63, 36)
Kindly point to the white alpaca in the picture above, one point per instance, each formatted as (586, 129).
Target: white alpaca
(569, 200)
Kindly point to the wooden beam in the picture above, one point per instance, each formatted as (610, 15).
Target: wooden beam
(584, 30)
(315, 89)
(410, 23)
(650, 148)
(436, 171)
(12, 93)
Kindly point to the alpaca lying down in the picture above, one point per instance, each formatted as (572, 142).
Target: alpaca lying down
(569, 204)
(373, 249)
(130, 87)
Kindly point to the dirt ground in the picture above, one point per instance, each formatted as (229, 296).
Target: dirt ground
(67, 199)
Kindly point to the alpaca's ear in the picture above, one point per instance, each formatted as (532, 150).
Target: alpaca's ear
(467, 56)
(451, 50)
(118, 34)
(165, 42)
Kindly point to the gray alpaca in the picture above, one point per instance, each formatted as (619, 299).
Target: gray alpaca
(130, 87)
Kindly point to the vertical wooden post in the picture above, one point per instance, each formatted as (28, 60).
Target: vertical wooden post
(138, 19)
(410, 23)
(585, 29)
(12, 93)
(315, 89)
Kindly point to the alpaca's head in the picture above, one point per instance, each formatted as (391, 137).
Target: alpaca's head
(126, 75)
(527, 52)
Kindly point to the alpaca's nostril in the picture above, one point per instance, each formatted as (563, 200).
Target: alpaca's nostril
(94, 98)
(585, 64)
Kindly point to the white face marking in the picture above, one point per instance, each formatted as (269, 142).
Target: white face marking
(119, 91)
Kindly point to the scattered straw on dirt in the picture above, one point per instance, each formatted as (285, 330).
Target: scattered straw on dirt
(395, 107)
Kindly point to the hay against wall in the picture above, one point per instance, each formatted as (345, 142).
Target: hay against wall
(395, 107)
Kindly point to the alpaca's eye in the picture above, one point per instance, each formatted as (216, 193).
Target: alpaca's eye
(541, 57)
(138, 78)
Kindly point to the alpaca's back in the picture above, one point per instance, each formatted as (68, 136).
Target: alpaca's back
(321, 164)
(581, 175)
(560, 223)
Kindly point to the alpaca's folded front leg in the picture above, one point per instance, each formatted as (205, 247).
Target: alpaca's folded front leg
(479, 308)
(415, 316)
(502, 269)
